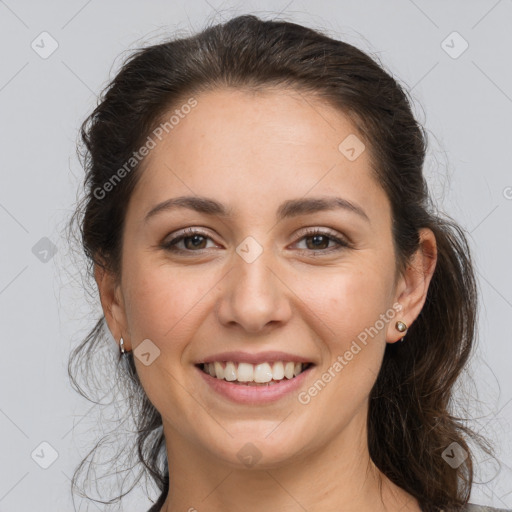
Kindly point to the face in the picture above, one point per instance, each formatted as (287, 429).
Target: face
(268, 275)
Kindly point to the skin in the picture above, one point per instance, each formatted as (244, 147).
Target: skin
(252, 151)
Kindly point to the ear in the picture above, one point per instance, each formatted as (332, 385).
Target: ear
(412, 286)
(112, 303)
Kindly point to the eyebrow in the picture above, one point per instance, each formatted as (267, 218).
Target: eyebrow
(289, 208)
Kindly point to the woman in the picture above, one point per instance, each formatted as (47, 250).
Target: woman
(291, 313)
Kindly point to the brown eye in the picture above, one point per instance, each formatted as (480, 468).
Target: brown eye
(196, 242)
(193, 241)
(317, 241)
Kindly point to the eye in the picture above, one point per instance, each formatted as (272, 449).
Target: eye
(319, 238)
(194, 241)
(195, 237)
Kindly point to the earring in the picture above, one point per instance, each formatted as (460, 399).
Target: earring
(402, 327)
(121, 346)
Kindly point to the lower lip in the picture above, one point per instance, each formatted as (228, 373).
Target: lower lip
(243, 394)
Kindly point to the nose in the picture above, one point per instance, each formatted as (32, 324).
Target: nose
(254, 296)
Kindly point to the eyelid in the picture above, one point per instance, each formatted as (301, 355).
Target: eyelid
(178, 236)
(342, 242)
(323, 231)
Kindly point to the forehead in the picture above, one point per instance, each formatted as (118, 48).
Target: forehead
(248, 148)
(262, 123)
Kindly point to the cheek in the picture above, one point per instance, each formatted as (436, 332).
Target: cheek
(160, 306)
(350, 304)
(349, 299)
(163, 301)
(155, 300)
(352, 307)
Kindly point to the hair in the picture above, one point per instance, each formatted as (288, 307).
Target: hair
(410, 422)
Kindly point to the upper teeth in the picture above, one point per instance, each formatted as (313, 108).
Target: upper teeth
(246, 372)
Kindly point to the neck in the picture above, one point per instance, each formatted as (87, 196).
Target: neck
(337, 476)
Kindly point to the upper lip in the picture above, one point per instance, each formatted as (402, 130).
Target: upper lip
(254, 358)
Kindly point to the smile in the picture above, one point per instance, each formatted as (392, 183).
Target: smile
(254, 374)
(254, 384)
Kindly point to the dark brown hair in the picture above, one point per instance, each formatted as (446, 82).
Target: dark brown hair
(410, 422)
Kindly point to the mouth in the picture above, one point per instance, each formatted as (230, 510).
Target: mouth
(247, 374)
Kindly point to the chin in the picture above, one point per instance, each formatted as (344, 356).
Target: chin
(258, 451)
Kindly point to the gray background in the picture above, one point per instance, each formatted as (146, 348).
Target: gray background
(464, 100)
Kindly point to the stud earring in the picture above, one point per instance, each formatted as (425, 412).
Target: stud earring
(402, 327)
(121, 346)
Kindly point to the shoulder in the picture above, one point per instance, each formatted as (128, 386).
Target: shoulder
(470, 507)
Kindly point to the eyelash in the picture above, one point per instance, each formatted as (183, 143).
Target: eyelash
(190, 232)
